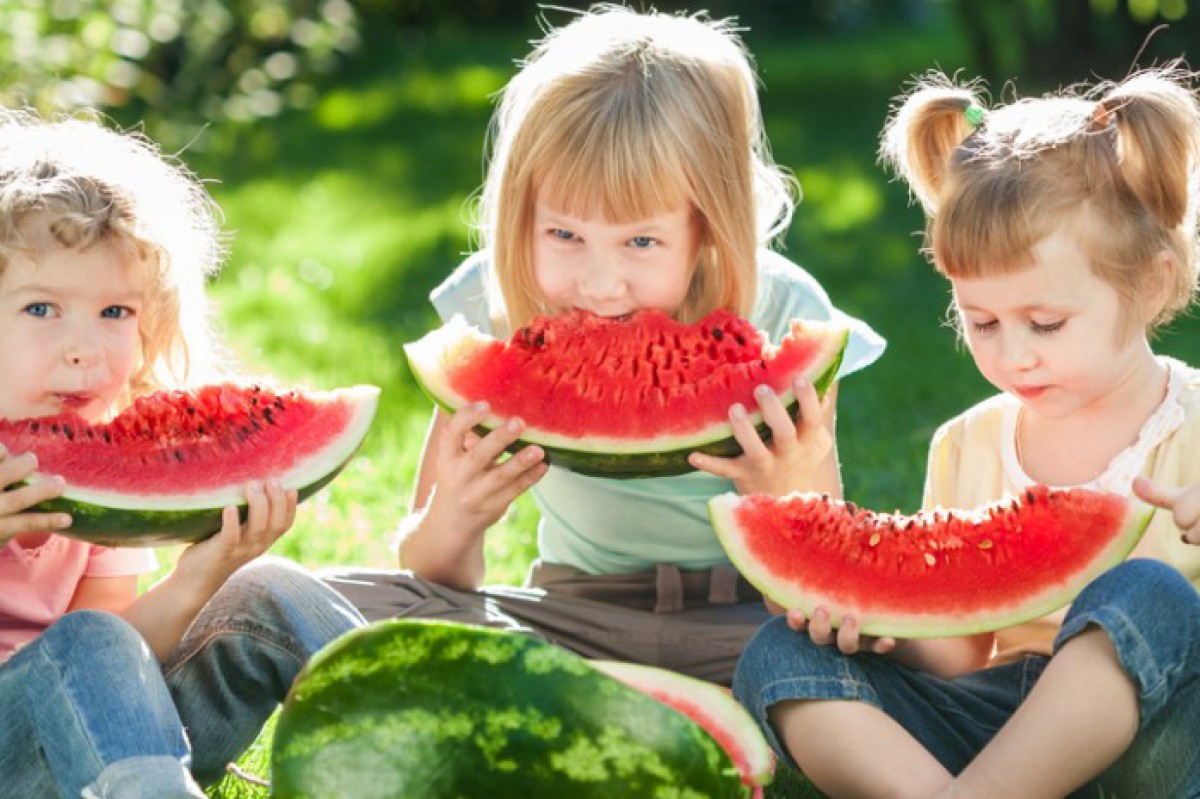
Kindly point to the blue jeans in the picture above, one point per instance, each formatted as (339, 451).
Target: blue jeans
(87, 709)
(1149, 611)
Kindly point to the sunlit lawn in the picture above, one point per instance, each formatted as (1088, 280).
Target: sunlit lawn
(343, 219)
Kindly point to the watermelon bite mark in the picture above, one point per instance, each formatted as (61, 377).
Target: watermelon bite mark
(629, 397)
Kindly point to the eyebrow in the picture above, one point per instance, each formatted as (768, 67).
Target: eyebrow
(55, 291)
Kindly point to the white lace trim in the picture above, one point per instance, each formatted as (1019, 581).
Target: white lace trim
(1119, 474)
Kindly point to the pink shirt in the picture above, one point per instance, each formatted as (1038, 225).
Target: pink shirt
(37, 584)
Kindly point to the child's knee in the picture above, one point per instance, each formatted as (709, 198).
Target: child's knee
(1147, 592)
(82, 633)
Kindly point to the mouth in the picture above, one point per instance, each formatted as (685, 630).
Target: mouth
(615, 317)
(1030, 392)
(75, 400)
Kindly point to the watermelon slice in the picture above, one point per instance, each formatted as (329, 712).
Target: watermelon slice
(710, 706)
(623, 397)
(162, 470)
(441, 710)
(936, 573)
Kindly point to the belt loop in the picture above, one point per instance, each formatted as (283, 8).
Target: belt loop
(723, 585)
(668, 587)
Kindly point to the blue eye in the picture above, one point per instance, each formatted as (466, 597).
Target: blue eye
(116, 312)
(562, 234)
(39, 309)
(643, 242)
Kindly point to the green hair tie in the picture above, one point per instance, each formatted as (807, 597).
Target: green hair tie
(974, 114)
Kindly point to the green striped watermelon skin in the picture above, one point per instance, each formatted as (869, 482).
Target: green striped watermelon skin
(434, 710)
(116, 527)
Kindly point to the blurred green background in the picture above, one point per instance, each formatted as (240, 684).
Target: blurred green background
(344, 141)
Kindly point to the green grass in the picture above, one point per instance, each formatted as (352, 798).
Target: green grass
(343, 219)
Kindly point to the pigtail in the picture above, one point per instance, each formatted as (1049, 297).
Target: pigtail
(1158, 131)
(923, 132)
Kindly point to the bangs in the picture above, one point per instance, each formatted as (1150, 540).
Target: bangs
(990, 222)
(614, 166)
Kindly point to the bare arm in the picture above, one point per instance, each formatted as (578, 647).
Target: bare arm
(163, 614)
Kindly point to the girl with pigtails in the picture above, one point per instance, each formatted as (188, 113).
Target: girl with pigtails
(1066, 226)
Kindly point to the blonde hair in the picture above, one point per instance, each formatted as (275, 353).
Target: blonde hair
(1117, 165)
(627, 114)
(88, 183)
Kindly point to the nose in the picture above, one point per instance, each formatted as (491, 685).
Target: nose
(1018, 351)
(83, 349)
(601, 281)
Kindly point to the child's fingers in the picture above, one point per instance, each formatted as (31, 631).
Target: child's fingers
(258, 511)
(460, 426)
(848, 639)
(775, 414)
(22, 523)
(797, 620)
(810, 414)
(15, 468)
(754, 449)
(725, 468)
(492, 446)
(522, 481)
(281, 508)
(1156, 494)
(21, 499)
(820, 627)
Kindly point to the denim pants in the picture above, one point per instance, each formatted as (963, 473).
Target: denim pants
(86, 708)
(1149, 611)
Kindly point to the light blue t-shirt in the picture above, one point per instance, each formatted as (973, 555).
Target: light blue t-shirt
(607, 526)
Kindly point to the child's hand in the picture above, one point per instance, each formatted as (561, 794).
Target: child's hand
(14, 502)
(796, 450)
(473, 486)
(1182, 501)
(848, 641)
(270, 512)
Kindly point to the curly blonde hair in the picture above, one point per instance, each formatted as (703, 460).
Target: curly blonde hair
(626, 114)
(89, 183)
(1116, 164)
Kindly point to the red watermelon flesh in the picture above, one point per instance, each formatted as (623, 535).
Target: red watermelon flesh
(935, 573)
(628, 396)
(711, 707)
(159, 470)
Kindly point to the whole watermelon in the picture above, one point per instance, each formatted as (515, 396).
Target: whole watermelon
(433, 710)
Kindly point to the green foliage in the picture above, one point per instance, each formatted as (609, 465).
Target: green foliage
(187, 62)
(1047, 41)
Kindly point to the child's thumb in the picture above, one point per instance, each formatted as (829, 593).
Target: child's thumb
(1158, 495)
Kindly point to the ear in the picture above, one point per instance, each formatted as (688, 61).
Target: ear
(1160, 281)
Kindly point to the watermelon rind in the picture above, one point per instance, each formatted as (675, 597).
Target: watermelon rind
(109, 518)
(975, 616)
(719, 708)
(664, 455)
(437, 709)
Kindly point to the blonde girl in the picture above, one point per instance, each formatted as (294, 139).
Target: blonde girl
(104, 249)
(629, 170)
(1066, 226)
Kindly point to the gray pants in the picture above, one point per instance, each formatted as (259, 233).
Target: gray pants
(693, 622)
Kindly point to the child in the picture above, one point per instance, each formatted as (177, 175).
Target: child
(104, 248)
(629, 171)
(1067, 228)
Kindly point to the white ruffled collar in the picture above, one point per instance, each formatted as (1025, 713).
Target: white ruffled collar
(1118, 476)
